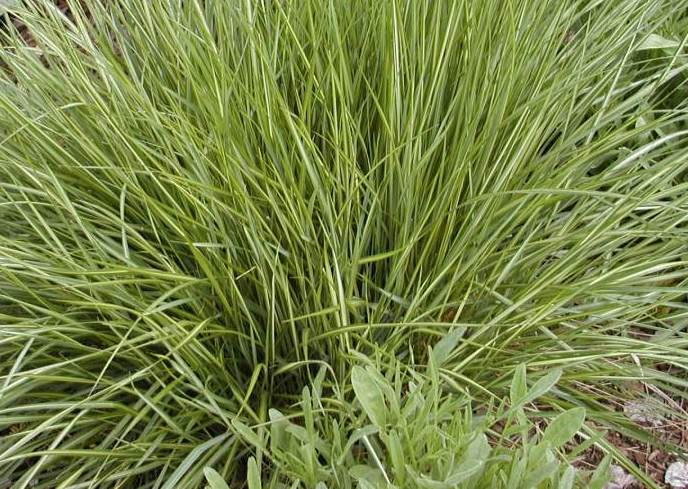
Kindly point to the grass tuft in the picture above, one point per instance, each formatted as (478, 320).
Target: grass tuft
(213, 212)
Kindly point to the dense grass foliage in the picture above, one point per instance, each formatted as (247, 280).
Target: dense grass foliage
(207, 206)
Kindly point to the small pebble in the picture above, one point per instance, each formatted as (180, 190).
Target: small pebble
(677, 475)
(620, 478)
(643, 413)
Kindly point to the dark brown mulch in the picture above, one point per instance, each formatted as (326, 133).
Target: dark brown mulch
(651, 458)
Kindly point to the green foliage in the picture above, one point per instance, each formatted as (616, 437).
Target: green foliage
(435, 442)
(214, 479)
(208, 206)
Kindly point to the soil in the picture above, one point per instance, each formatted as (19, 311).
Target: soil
(651, 458)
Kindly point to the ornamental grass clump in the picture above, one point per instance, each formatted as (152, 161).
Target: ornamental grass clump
(209, 208)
